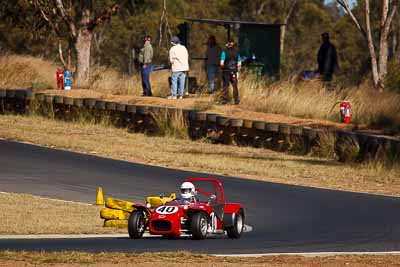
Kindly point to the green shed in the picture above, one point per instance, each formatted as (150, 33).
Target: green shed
(258, 43)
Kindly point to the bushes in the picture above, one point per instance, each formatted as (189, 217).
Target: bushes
(392, 82)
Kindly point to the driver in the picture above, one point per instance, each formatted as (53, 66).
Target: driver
(188, 192)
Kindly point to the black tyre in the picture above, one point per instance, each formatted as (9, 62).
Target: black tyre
(199, 225)
(237, 229)
(136, 225)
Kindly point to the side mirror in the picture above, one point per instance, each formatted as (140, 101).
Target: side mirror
(212, 198)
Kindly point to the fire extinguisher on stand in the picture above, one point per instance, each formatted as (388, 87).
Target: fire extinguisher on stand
(345, 112)
(60, 79)
(67, 80)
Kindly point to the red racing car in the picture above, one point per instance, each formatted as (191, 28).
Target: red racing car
(197, 212)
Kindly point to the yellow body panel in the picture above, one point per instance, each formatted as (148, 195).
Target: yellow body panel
(158, 201)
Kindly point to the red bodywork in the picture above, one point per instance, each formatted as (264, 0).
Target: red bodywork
(173, 218)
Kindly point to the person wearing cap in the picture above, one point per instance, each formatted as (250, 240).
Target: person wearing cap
(179, 59)
(230, 63)
(327, 58)
(145, 60)
(212, 61)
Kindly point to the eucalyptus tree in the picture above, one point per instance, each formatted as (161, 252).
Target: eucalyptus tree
(378, 47)
(76, 21)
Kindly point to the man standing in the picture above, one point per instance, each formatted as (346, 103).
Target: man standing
(212, 61)
(327, 58)
(145, 59)
(179, 58)
(230, 64)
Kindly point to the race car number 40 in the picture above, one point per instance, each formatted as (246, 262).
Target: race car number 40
(166, 209)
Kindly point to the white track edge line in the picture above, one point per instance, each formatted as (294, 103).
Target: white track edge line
(304, 254)
(60, 236)
(311, 254)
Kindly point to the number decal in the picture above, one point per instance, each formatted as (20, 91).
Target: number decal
(166, 210)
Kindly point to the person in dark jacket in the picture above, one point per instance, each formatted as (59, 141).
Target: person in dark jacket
(213, 54)
(327, 58)
(230, 64)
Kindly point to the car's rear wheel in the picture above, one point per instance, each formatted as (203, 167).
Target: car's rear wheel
(136, 224)
(199, 225)
(238, 223)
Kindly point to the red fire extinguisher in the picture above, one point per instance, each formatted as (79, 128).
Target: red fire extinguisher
(345, 112)
(60, 79)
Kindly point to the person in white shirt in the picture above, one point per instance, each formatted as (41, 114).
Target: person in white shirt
(179, 58)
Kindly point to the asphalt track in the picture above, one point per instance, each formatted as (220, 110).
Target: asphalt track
(285, 219)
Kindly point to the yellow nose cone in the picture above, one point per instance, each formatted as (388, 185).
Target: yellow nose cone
(100, 198)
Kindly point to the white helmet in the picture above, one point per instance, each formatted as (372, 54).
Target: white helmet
(187, 190)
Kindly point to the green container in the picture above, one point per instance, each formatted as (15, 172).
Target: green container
(256, 69)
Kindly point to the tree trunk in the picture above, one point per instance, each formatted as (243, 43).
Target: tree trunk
(282, 41)
(83, 44)
(284, 26)
(371, 47)
(383, 44)
(383, 58)
(82, 47)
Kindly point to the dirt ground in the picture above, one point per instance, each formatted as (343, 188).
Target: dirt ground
(191, 102)
(78, 259)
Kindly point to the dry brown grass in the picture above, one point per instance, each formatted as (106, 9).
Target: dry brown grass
(27, 214)
(8, 258)
(26, 71)
(172, 125)
(245, 162)
(109, 81)
(313, 100)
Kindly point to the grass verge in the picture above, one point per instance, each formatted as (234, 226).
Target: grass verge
(76, 259)
(49, 216)
(171, 124)
(253, 163)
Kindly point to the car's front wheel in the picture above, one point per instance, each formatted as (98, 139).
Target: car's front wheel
(136, 224)
(199, 225)
(238, 223)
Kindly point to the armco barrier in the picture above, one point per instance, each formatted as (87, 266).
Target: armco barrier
(349, 146)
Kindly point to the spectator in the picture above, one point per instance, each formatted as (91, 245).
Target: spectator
(212, 61)
(145, 60)
(327, 58)
(230, 64)
(179, 58)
